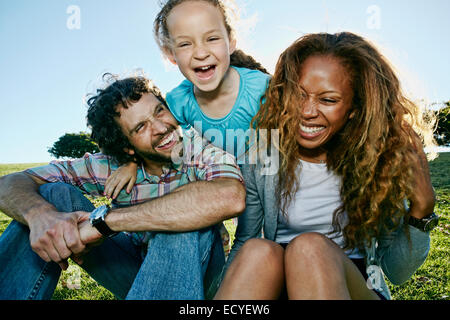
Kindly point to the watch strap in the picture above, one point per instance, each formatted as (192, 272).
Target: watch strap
(425, 224)
(103, 228)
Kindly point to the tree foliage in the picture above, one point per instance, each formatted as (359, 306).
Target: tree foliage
(442, 133)
(73, 145)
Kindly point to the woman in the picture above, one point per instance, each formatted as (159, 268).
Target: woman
(352, 181)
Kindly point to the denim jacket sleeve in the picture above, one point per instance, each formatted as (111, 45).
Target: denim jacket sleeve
(250, 222)
(400, 257)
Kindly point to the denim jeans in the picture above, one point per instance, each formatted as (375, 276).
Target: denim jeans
(174, 267)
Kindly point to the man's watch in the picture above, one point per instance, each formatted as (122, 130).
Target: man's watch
(97, 219)
(425, 224)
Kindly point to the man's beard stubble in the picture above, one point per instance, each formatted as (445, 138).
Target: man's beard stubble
(159, 158)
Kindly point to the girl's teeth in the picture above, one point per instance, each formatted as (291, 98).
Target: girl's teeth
(204, 68)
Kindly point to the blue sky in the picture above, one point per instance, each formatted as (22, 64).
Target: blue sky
(48, 64)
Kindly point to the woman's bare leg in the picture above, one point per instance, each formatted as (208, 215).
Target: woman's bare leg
(256, 273)
(316, 268)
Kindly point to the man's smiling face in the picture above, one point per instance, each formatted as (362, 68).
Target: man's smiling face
(151, 129)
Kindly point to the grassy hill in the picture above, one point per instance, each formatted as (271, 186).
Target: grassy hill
(431, 281)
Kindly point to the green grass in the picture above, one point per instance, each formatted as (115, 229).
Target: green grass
(430, 282)
(10, 168)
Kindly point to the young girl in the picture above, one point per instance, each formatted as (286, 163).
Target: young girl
(223, 87)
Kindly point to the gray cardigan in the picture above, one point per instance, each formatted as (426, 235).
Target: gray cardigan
(392, 252)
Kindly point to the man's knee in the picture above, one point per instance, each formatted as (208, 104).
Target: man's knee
(55, 188)
(65, 197)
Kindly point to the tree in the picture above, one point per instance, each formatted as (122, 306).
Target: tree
(442, 133)
(73, 145)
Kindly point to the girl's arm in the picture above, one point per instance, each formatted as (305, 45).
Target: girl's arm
(125, 175)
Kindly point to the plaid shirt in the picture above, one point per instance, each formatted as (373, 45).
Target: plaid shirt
(201, 161)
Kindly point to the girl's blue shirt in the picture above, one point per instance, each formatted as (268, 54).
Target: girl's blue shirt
(228, 133)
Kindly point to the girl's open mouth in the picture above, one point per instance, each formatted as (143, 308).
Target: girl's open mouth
(206, 72)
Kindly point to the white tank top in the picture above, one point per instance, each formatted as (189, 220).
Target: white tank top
(313, 206)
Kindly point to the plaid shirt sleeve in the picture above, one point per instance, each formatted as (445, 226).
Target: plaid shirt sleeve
(218, 164)
(210, 162)
(88, 174)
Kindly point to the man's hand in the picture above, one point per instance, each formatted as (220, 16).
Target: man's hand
(54, 236)
(89, 235)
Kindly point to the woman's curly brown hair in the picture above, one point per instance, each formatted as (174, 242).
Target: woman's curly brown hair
(373, 153)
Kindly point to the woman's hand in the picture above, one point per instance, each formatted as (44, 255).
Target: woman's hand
(125, 175)
(423, 199)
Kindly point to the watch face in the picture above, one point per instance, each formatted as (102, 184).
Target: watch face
(98, 213)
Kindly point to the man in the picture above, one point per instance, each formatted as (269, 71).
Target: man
(171, 247)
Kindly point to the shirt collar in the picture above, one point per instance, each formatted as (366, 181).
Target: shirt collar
(145, 176)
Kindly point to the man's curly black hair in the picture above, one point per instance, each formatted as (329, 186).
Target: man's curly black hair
(103, 109)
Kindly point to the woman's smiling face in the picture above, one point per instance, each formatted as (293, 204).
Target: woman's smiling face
(327, 102)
